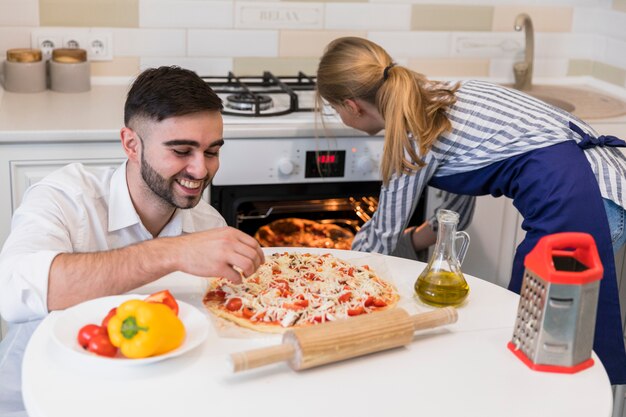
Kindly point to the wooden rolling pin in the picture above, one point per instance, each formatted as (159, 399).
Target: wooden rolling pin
(335, 341)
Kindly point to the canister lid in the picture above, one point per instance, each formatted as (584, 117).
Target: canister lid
(23, 55)
(69, 55)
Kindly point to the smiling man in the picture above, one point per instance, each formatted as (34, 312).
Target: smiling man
(82, 233)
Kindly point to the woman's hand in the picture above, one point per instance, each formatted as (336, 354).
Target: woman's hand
(423, 236)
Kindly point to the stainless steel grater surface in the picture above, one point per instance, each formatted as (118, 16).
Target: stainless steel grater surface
(558, 302)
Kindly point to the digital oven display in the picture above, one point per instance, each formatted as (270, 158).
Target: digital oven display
(325, 164)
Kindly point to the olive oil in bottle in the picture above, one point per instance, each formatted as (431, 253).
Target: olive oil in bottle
(442, 289)
(442, 283)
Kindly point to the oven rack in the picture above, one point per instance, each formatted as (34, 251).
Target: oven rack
(363, 207)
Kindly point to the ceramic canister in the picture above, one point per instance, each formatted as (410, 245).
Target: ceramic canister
(24, 71)
(70, 71)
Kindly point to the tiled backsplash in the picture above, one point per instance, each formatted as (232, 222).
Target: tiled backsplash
(451, 38)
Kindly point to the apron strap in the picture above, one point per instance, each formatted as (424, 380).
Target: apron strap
(589, 141)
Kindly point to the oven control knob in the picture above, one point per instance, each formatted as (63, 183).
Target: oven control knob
(285, 166)
(365, 165)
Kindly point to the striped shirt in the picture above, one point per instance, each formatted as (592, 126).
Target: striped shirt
(489, 124)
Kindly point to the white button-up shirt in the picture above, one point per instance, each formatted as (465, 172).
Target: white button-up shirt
(74, 209)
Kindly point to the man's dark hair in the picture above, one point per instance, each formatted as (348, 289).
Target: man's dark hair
(159, 93)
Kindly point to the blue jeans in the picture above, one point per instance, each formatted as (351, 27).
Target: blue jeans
(617, 219)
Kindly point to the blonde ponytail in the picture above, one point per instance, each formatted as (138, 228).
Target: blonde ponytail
(355, 68)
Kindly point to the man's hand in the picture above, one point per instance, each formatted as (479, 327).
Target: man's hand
(76, 277)
(214, 253)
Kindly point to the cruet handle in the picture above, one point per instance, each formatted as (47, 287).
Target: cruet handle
(462, 248)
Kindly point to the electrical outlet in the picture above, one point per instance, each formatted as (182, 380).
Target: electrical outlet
(46, 44)
(100, 46)
(98, 43)
(74, 41)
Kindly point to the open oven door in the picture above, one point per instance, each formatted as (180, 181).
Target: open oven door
(347, 205)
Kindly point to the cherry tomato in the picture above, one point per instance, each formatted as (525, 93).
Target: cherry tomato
(379, 303)
(101, 345)
(105, 321)
(234, 304)
(294, 306)
(369, 301)
(86, 333)
(345, 297)
(310, 276)
(164, 297)
(356, 311)
(217, 295)
(247, 312)
(302, 303)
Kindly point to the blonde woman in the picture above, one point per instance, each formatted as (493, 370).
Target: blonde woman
(476, 138)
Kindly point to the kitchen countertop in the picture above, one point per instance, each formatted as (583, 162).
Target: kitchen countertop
(463, 369)
(97, 115)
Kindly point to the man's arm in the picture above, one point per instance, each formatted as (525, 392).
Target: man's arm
(76, 277)
(46, 265)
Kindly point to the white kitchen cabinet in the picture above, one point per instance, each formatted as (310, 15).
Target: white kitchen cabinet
(24, 163)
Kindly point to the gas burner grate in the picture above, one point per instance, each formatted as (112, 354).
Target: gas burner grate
(256, 90)
(248, 101)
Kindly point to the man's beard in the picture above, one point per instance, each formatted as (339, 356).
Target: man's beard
(164, 188)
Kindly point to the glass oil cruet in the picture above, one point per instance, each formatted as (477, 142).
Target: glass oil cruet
(442, 283)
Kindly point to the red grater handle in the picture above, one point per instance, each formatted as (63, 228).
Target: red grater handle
(579, 246)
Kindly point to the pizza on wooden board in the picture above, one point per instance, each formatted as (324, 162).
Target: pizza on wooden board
(304, 233)
(297, 290)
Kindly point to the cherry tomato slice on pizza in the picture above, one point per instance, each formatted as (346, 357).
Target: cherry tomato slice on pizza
(356, 311)
(234, 304)
(164, 297)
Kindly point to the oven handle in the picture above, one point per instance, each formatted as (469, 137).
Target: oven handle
(241, 217)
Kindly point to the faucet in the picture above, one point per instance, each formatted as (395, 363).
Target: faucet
(523, 70)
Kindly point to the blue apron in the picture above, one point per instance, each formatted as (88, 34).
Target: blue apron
(555, 190)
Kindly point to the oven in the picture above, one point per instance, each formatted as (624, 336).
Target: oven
(279, 163)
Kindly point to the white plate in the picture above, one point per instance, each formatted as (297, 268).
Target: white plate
(70, 321)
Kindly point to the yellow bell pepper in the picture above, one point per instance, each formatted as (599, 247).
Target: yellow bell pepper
(141, 329)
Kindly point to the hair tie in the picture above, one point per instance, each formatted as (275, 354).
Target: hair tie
(386, 71)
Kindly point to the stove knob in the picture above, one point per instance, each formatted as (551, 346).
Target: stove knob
(365, 165)
(285, 166)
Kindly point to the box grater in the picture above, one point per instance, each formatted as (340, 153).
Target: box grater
(558, 302)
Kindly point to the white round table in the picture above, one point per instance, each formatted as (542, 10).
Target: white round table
(464, 369)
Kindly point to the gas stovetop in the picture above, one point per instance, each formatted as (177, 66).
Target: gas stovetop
(267, 95)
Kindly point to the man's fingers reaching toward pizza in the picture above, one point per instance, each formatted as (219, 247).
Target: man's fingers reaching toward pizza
(243, 265)
(239, 271)
(214, 252)
(250, 249)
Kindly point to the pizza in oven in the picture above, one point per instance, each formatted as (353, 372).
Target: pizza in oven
(296, 232)
(299, 289)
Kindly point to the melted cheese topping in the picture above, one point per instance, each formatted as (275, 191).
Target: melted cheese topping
(298, 289)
